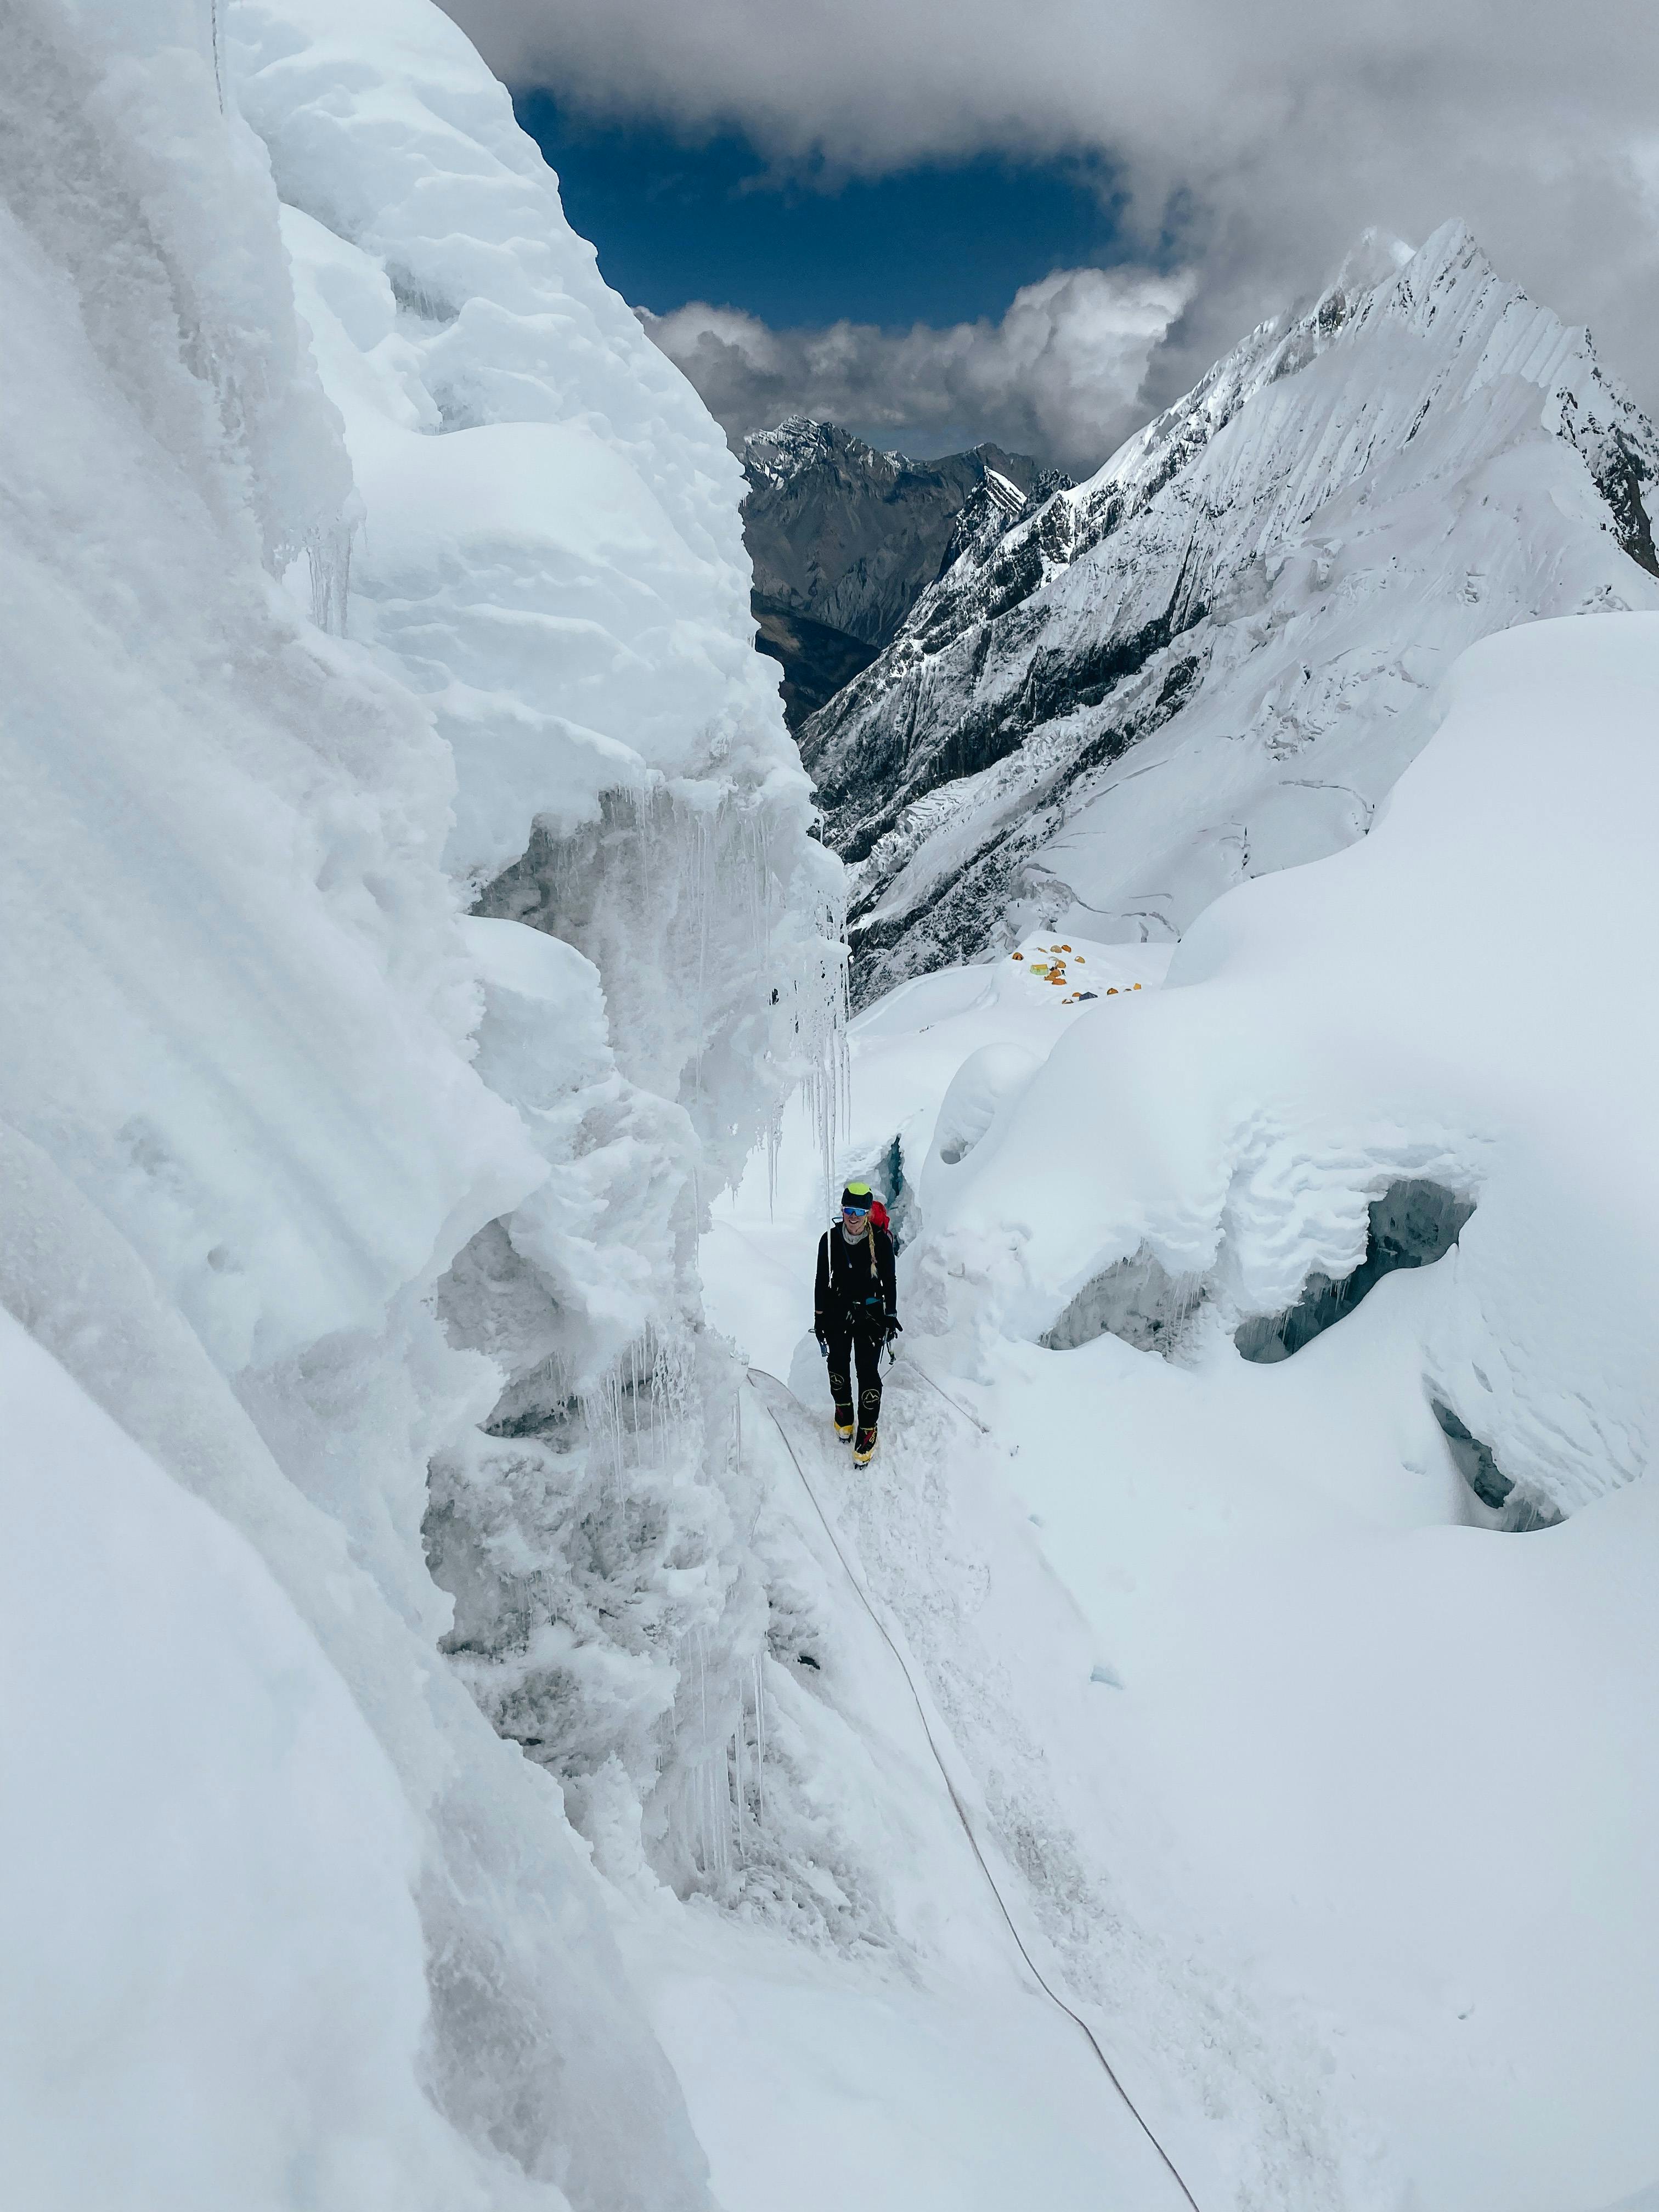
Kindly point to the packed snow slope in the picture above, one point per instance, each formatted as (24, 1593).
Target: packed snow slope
(1212, 659)
(302, 1170)
(1331, 1790)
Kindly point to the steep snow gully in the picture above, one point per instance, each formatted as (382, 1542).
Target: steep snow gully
(477, 1745)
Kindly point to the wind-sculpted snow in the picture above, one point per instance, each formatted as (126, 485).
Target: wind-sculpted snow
(216, 821)
(552, 555)
(246, 1774)
(1213, 659)
(1337, 1710)
(1423, 1009)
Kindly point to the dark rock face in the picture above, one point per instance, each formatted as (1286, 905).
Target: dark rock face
(817, 659)
(1214, 658)
(845, 540)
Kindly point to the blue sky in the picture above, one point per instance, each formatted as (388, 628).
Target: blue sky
(675, 222)
(1252, 143)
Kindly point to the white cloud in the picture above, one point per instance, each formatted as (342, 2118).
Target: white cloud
(1255, 138)
(1058, 376)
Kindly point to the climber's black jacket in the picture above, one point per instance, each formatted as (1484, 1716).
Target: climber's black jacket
(855, 1294)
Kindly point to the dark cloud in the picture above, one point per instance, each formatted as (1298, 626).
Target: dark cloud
(1255, 138)
(1058, 377)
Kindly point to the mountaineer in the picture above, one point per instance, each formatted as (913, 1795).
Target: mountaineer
(855, 1310)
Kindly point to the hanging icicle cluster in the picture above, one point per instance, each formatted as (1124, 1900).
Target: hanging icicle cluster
(598, 1535)
(724, 972)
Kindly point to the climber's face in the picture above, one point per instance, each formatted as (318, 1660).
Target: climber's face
(855, 1216)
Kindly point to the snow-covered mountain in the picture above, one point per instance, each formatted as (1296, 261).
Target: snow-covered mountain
(1214, 658)
(471, 1746)
(845, 539)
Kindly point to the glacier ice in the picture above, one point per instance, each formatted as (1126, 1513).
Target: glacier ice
(1412, 1224)
(1136, 1298)
(551, 556)
(255, 1166)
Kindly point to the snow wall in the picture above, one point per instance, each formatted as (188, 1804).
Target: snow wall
(366, 1226)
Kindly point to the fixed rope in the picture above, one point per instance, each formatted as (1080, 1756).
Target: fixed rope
(916, 1368)
(760, 1374)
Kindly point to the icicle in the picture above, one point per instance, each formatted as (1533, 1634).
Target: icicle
(705, 1823)
(328, 555)
(218, 58)
(758, 1666)
(740, 1794)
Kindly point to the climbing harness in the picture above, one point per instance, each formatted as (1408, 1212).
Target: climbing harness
(758, 1375)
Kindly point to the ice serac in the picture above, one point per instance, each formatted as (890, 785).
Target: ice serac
(270, 1108)
(1213, 659)
(551, 556)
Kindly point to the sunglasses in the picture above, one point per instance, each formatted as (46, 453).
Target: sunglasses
(854, 1212)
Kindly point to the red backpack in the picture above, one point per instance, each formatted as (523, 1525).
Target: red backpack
(878, 1215)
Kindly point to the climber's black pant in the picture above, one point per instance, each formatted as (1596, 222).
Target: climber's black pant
(867, 1352)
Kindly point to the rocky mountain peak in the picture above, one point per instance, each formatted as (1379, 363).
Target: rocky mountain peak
(845, 538)
(797, 443)
(1253, 596)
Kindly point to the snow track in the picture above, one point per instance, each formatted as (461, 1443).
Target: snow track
(769, 1390)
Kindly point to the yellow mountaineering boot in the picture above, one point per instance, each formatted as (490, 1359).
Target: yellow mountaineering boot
(864, 1450)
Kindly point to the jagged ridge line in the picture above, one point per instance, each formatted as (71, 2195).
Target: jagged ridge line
(958, 1805)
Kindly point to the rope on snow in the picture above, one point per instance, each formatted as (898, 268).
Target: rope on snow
(760, 1374)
